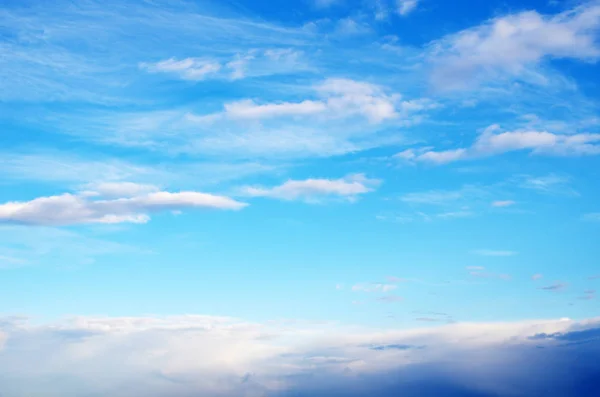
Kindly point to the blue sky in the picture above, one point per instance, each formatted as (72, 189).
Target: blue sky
(394, 165)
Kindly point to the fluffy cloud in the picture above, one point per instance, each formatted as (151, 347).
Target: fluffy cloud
(219, 356)
(509, 45)
(493, 141)
(314, 190)
(133, 205)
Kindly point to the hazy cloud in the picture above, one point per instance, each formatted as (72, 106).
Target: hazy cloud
(314, 190)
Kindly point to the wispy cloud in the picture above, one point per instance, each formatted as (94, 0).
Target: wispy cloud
(555, 287)
(188, 69)
(334, 116)
(112, 39)
(492, 141)
(444, 197)
(511, 46)
(315, 190)
(548, 184)
(537, 276)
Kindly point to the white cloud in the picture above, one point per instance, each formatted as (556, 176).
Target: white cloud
(331, 117)
(492, 141)
(548, 184)
(405, 7)
(510, 45)
(76, 208)
(494, 253)
(503, 203)
(135, 356)
(313, 190)
(537, 276)
(187, 69)
(249, 109)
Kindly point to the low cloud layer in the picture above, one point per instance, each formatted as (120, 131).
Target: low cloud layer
(219, 356)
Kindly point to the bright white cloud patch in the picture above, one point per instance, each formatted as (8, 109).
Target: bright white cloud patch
(91, 207)
(220, 356)
(509, 45)
(493, 141)
(313, 190)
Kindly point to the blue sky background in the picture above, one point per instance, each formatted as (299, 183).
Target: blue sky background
(384, 164)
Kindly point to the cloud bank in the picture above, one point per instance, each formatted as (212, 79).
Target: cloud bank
(220, 356)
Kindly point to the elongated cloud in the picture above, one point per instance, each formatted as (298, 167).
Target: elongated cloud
(509, 45)
(492, 141)
(188, 69)
(313, 190)
(338, 98)
(221, 356)
(67, 209)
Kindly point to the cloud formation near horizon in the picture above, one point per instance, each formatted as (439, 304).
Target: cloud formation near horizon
(220, 356)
